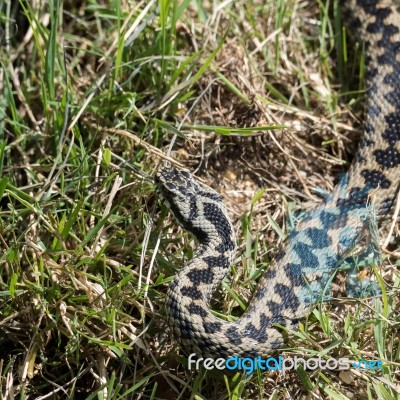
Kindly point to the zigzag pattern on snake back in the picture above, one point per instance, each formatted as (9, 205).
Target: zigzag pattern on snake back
(319, 243)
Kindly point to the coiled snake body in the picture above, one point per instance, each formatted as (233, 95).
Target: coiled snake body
(319, 243)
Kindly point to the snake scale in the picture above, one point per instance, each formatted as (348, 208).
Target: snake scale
(316, 247)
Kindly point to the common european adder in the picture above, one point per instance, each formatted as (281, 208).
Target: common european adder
(322, 239)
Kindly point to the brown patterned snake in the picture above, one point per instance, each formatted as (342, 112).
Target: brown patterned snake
(322, 239)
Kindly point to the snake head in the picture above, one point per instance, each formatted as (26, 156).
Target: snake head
(175, 185)
(182, 193)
